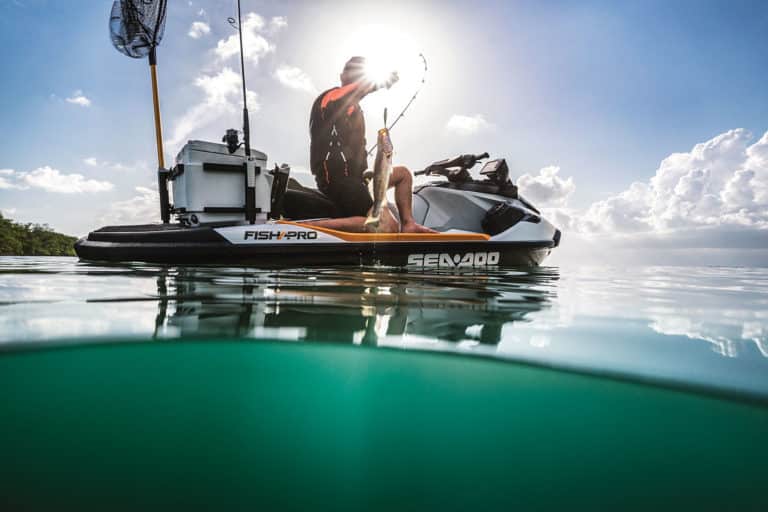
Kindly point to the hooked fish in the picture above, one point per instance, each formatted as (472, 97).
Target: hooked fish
(382, 169)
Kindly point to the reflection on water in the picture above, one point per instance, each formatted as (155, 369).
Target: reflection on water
(343, 305)
(701, 326)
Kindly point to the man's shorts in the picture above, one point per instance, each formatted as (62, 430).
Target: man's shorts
(349, 194)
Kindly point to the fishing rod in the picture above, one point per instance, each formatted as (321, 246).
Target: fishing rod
(410, 102)
(246, 123)
(250, 170)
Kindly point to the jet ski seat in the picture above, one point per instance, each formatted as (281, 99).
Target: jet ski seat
(301, 202)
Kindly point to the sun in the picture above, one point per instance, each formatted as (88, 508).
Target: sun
(386, 49)
(378, 70)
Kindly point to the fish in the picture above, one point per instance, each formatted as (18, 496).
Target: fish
(382, 169)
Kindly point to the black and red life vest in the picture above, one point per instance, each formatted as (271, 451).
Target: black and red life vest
(337, 134)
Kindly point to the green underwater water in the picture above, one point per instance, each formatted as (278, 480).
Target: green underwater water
(231, 425)
(147, 387)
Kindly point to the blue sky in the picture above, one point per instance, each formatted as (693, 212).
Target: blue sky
(602, 90)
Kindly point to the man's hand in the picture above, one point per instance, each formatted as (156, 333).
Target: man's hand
(392, 80)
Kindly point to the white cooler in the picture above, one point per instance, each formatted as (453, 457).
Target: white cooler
(209, 183)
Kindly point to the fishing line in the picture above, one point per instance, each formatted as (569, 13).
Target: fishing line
(410, 102)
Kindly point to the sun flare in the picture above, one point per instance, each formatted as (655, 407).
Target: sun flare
(388, 49)
(385, 47)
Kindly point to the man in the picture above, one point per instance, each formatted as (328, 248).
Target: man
(338, 155)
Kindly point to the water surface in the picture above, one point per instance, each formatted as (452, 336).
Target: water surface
(705, 327)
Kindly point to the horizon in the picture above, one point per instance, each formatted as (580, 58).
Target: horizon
(639, 128)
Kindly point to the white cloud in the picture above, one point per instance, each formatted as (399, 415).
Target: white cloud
(255, 45)
(221, 86)
(140, 209)
(218, 88)
(625, 212)
(199, 29)
(467, 125)
(78, 98)
(222, 97)
(51, 180)
(137, 167)
(278, 23)
(564, 218)
(547, 189)
(722, 182)
(713, 197)
(6, 183)
(295, 78)
(8, 212)
(201, 12)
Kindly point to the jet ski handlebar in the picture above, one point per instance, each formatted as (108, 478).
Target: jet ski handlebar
(453, 165)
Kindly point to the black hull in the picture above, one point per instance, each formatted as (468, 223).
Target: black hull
(177, 245)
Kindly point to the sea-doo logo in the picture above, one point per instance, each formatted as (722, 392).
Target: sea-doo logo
(280, 235)
(470, 259)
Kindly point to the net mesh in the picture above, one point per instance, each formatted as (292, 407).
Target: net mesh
(136, 26)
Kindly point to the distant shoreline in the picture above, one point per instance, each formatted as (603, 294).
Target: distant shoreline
(29, 239)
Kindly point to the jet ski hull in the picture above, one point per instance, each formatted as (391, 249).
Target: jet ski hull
(290, 244)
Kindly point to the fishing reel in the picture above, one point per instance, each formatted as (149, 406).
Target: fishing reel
(232, 140)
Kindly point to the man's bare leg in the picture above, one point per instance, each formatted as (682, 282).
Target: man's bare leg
(350, 224)
(388, 224)
(402, 180)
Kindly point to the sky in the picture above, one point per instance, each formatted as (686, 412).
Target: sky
(641, 126)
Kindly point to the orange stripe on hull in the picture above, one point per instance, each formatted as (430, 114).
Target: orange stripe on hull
(395, 237)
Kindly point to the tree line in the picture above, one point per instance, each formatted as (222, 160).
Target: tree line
(29, 239)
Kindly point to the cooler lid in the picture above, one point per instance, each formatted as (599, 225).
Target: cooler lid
(217, 148)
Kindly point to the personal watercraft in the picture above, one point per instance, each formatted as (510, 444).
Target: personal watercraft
(230, 209)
